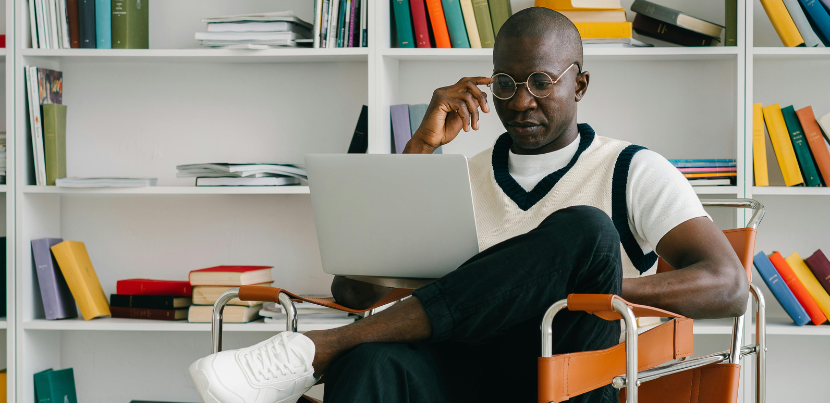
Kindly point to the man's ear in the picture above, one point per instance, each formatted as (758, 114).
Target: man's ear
(582, 80)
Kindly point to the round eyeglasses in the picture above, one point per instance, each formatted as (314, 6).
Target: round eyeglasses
(539, 84)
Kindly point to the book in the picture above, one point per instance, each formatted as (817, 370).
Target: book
(331, 39)
(231, 314)
(779, 289)
(645, 25)
(401, 132)
(73, 20)
(801, 294)
(55, 386)
(820, 267)
(759, 147)
(145, 286)
(57, 299)
(577, 4)
(75, 182)
(780, 139)
(615, 43)
(103, 24)
(77, 269)
(707, 170)
(148, 313)
(419, 23)
(238, 37)
(819, 19)
(349, 42)
(730, 37)
(360, 138)
(52, 24)
(500, 11)
(63, 24)
(677, 18)
(802, 150)
(149, 301)
(42, 27)
(231, 275)
(207, 295)
(616, 15)
(130, 24)
(318, 19)
(342, 22)
(691, 163)
(86, 23)
(33, 24)
(35, 124)
(470, 23)
(801, 22)
(710, 182)
(603, 30)
(54, 142)
(782, 22)
(810, 282)
(439, 24)
(403, 23)
(266, 181)
(824, 124)
(484, 23)
(711, 175)
(455, 23)
(364, 25)
(812, 132)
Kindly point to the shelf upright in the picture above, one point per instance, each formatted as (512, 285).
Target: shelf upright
(9, 196)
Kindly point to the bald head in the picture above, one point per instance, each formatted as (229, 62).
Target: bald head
(555, 30)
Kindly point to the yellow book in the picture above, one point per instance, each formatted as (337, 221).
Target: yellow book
(578, 4)
(780, 139)
(604, 30)
(77, 269)
(3, 389)
(782, 22)
(810, 282)
(759, 146)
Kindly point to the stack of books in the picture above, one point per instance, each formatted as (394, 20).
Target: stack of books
(308, 314)
(209, 283)
(141, 298)
(226, 174)
(406, 119)
(801, 286)
(798, 143)
(47, 122)
(800, 22)
(674, 26)
(341, 24)
(450, 24)
(99, 24)
(2, 157)
(708, 172)
(254, 31)
(600, 22)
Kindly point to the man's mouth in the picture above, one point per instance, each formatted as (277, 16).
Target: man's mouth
(525, 127)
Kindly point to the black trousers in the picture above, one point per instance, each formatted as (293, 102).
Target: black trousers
(486, 316)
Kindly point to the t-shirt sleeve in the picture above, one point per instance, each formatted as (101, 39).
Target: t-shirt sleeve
(659, 198)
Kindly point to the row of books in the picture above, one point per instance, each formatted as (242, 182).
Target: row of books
(226, 174)
(47, 123)
(800, 22)
(341, 24)
(405, 121)
(799, 142)
(94, 24)
(255, 31)
(708, 172)
(801, 286)
(453, 23)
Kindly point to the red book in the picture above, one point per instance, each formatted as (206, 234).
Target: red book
(813, 135)
(147, 313)
(419, 23)
(820, 266)
(73, 19)
(801, 294)
(143, 286)
(231, 276)
(439, 24)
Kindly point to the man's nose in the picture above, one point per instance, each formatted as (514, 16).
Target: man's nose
(522, 100)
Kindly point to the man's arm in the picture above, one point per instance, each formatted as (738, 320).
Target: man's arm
(710, 281)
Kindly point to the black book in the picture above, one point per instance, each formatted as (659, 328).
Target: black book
(645, 25)
(86, 23)
(3, 279)
(149, 301)
(360, 138)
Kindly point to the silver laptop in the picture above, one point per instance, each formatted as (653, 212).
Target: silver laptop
(399, 216)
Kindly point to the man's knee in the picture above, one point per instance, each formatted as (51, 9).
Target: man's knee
(589, 224)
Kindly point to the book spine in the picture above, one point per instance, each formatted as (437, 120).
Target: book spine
(759, 146)
(64, 24)
(138, 24)
(782, 22)
(439, 24)
(103, 24)
(42, 26)
(341, 22)
(605, 30)
(324, 24)
(780, 290)
(400, 127)
(419, 23)
(318, 13)
(820, 19)
(37, 133)
(353, 22)
(33, 24)
(403, 24)
(820, 267)
(731, 35)
(77, 269)
(331, 40)
(455, 24)
(360, 138)
(800, 20)
(470, 23)
(801, 294)
(810, 282)
(142, 301)
(57, 299)
(648, 26)
(54, 27)
(780, 139)
(802, 150)
(86, 23)
(143, 313)
(484, 23)
(54, 142)
(500, 11)
(166, 288)
(816, 142)
(364, 25)
(73, 19)
(824, 124)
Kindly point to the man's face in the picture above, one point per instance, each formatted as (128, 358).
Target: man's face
(533, 122)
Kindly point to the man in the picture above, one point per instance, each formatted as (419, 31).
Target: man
(559, 210)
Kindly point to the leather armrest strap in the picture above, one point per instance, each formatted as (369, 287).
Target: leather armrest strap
(601, 306)
(271, 294)
(567, 375)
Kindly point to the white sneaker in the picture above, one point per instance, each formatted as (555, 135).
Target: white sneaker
(277, 370)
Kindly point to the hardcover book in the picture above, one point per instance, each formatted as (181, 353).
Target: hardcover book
(810, 282)
(57, 299)
(677, 17)
(645, 25)
(77, 269)
(801, 22)
(801, 294)
(759, 147)
(148, 313)
(731, 32)
(403, 24)
(72, 17)
(484, 23)
(438, 23)
(595, 15)
(130, 24)
(782, 22)
(54, 142)
(783, 146)
(144, 286)
(455, 23)
(818, 18)
(86, 23)
(401, 132)
(820, 267)
(360, 138)
(779, 289)
(103, 24)
(812, 133)
(207, 295)
(419, 23)
(802, 150)
(607, 30)
(470, 23)
(55, 386)
(148, 301)
(231, 314)
(500, 11)
(231, 275)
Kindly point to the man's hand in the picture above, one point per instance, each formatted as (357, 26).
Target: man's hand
(451, 110)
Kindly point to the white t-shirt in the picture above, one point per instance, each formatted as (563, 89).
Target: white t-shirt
(659, 198)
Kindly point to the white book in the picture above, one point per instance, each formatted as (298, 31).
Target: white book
(105, 182)
(53, 25)
(331, 41)
(208, 173)
(245, 36)
(277, 26)
(64, 24)
(348, 17)
(231, 314)
(318, 19)
(274, 16)
(230, 167)
(364, 14)
(283, 181)
(710, 182)
(43, 38)
(36, 127)
(33, 24)
(257, 45)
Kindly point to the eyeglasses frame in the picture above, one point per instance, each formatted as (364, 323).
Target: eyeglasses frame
(516, 86)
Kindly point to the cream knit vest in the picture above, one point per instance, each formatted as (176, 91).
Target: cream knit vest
(596, 176)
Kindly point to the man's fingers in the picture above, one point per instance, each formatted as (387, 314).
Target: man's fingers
(472, 105)
(461, 110)
(476, 80)
(479, 95)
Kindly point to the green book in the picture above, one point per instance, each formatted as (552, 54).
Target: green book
(500, 11)
(802, 149)
(54, 142)
(55, 386)
(481, 9)
(403, 24)
(130, 24)
(731, 35)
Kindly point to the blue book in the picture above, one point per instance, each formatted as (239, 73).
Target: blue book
(341, 24)
(455, 24)
(780, 289)
(403, 24)
(704, 160)
(819, 18)
(57, 299)
(103, 24)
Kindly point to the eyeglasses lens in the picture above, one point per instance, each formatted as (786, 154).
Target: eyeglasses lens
(503, 86)
(540, 84)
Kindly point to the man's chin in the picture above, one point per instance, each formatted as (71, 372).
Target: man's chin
(530, 141)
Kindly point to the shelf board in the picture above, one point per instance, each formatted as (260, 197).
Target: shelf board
(615, 54)
(784, 53)
(788, 328)
(286, 55)
(790, 191)
(173, 190)
(145, 325)
(716, 190)
(3, 188)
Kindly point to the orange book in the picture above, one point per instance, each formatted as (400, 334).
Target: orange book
(439, 24)
(801, 294)
(813, 134)
(712, 175)
(604, 30)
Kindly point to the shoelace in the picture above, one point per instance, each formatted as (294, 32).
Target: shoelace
(263, 362)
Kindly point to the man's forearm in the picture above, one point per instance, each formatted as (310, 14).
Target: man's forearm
(417, 146)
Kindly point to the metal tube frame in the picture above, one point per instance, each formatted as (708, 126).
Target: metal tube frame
(219, 307)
